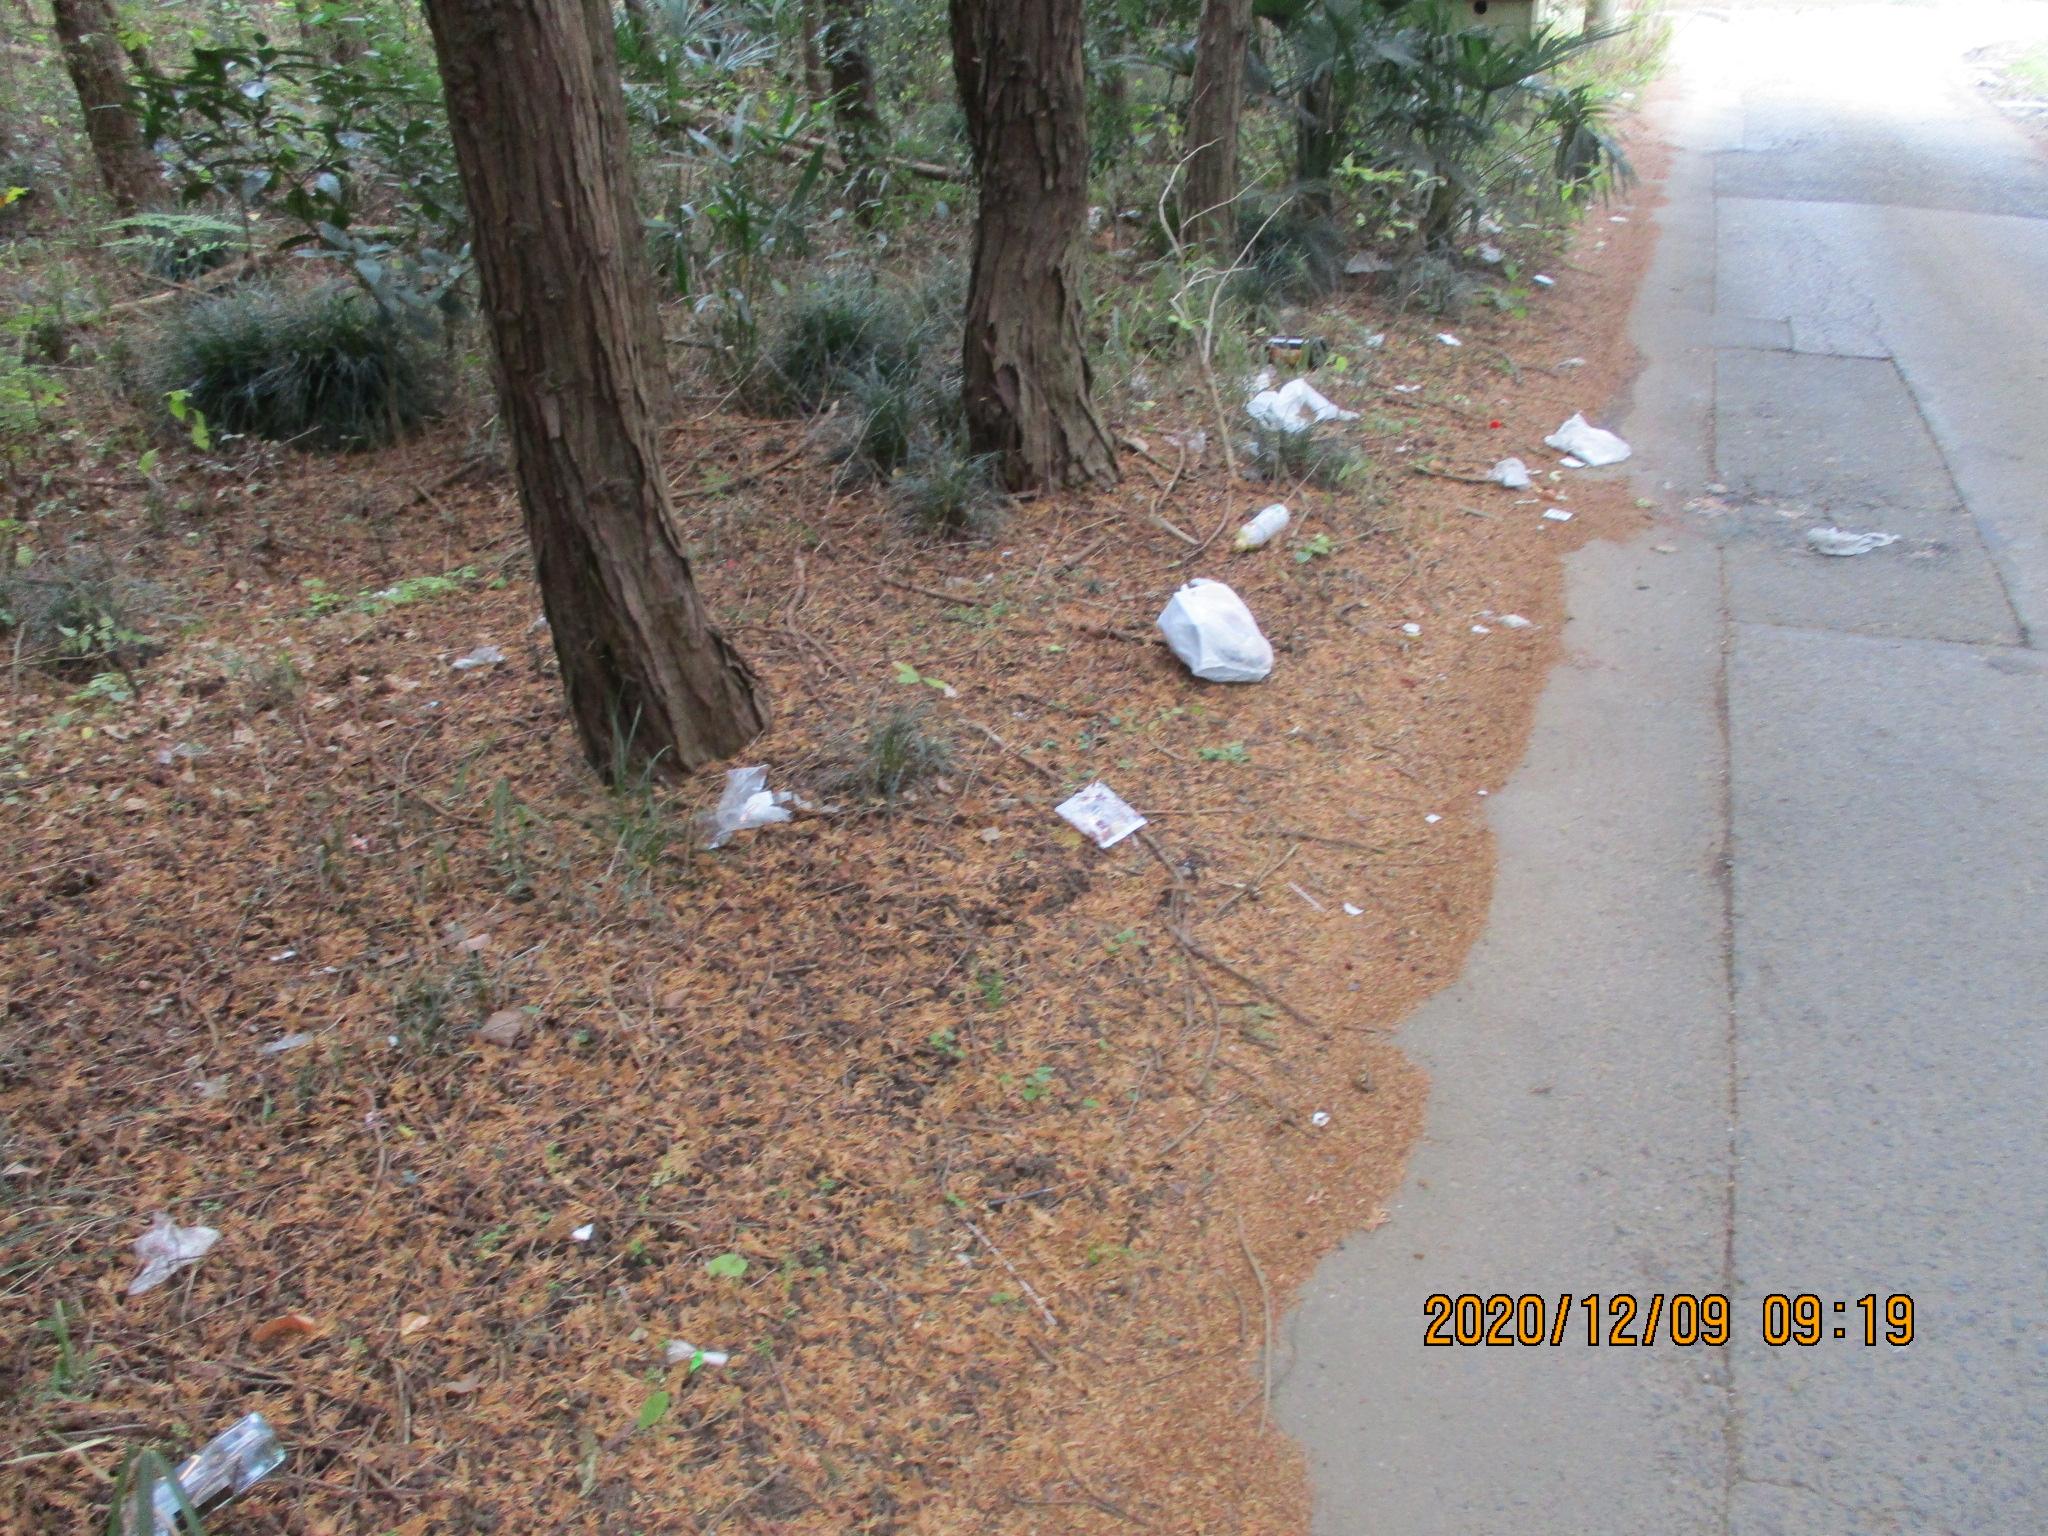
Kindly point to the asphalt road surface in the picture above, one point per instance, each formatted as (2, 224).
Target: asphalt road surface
(1762, 1005)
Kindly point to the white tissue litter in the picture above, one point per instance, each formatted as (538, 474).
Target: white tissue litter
(482, 656)
(1215, 635)
(1411, 629)
(682, 1352)
(1320, 1118)
(1099, 814)
(1843, 543)
(1351, 911)
(1448, 339)
(1294, 407)
(1516, 621)
(1543, 282)
(167, 1248)
(748, 803)
(1264, 528)
(1512, 473)
(1582, 440)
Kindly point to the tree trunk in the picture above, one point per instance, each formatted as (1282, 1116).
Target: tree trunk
(535, 110)
(1023, 91)
(91, 40)
(1316, 140)
(1601, 15)
(855, 118)
(811, 17)
(1214, 106)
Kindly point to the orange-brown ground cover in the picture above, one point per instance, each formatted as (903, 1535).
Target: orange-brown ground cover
(1021, 1177)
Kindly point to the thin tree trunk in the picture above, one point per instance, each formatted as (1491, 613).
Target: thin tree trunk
(1023, 91)
(811, 17)
(855, 117)
(1316, 139)
(91, 39)
(535, 110)
(1601, 14)
(1214, 106)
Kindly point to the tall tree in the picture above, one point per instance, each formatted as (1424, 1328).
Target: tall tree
(855, 117)
(536, 113)
(91, 39)
(1023, 91)
(1215, 103)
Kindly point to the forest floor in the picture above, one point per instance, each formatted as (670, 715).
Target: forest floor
(1024, 1144)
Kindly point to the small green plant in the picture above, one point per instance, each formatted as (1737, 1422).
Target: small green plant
(320, 600)
(1036, 1085)
(1307, 457)
(1229, 752)
(135, 1496)
(72, 1371)
(946, 490)
(727, 1266)
(436, 1012)
(993, 989)
(653, 1410)
(76, 611)
(176, 247)
(910, 676)
(1315, 548)
(320, 366)
(946, 1042)
(901, 751)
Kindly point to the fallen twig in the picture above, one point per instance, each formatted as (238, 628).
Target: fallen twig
(1264, 991)
(1266, 1306)
(1037, 1300)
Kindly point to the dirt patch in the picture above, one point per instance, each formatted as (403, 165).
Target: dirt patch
(1024, 1145)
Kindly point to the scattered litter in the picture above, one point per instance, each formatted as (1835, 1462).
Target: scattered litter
(1572, 362)
(1366, 264)
(1842, 542)
(1432, 818)
(1542, 281)
(1571, 461)
(1304, 895)
(1351, 911)
(288, 1043)
(1406, 389)
(1320, 1118)
(1215, 635)
(1262, 529)
(682, 1351)
(1194, 444)
(482, 656)
(1492, 254)
(1376, 340)
(990, 834)
(1665, 549)
(1411, 629)
(1100, 814)
(1515, 621)
(283, 955)
(584, 1233)
(1481, 629)
(508, 1026)
(1512, 473)
(1259, 382)
(167, 1248)
(1297, 351)
(1617, 218)
(1556, 515)
(230, 1464)
(1294, 407)
(748, 803)
(1448, 339)
(1583, 440)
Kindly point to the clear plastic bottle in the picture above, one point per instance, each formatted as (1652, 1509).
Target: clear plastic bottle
(1264, 528)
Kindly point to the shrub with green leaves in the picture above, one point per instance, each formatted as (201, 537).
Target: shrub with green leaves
(1292, 254)
(322, 367)
(902, 750)
(836, 333)
(947, 490)
(77, 611)
(1307, 457)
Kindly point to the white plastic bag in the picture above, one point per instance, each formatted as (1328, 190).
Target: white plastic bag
(1582, 440)
(1843, 542)
(1294, 407)
(167, 1248)
(1215, 635)
(746, 803)
(1512, 473)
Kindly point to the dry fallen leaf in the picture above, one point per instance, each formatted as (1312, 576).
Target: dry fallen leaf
(508, 1026)
(412, 1323)
(293, 1325)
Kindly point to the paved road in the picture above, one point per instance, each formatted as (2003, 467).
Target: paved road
(1763, 1002)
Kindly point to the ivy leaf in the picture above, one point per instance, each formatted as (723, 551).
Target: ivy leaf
(653, 1411)
(727, 1266)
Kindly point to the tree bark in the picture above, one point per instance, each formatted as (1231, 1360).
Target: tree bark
(856, 120)
(91, 40)
(1214, 106)
(1023, 90)
(535, 110)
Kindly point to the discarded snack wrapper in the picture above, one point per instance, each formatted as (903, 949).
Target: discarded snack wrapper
(228, 1466)
(167, 1248)
(1302, 352)
(1100, 814)
(748, 803)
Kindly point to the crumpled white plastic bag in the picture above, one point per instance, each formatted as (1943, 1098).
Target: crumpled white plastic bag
(1215, 635)
(747, 803)
(1294, 407)
(1512, 473)
(1582, 440)
(167, 1248)
(1845, 542)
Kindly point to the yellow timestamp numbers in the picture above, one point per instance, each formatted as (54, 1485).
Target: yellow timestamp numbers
(1678, 1318)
